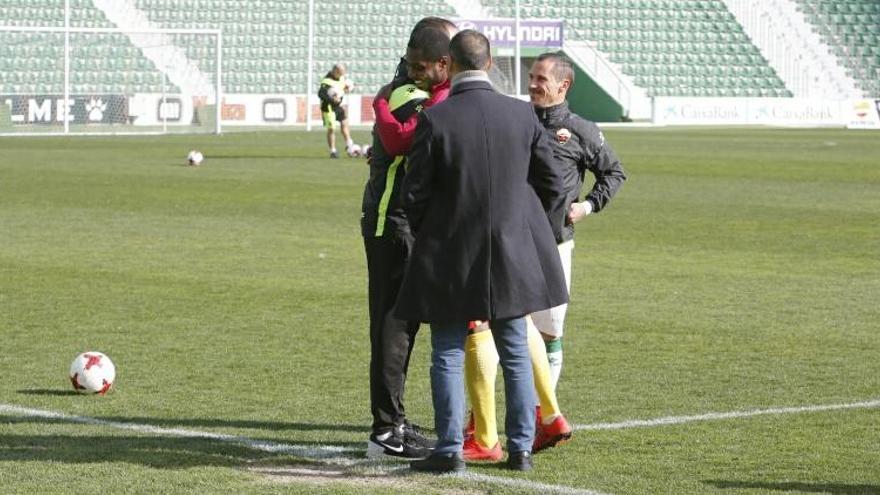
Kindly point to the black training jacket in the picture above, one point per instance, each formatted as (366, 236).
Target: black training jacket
(581, 146)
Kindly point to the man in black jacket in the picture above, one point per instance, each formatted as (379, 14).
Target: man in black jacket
(483, 195)
(580, 146)
(388, 242)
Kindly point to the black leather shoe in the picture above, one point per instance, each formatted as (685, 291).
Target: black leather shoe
(520, 461)
(439, 463)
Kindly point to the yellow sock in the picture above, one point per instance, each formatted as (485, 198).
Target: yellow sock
(480, 370)
(541, 371)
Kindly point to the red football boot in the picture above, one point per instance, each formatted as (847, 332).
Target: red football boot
(473, 451)
(555, 433)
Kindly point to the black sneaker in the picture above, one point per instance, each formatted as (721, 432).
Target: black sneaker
(393, 444)
(334, 154)
(520, 461)
(413, 434)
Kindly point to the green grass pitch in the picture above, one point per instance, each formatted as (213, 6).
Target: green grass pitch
(738, 269)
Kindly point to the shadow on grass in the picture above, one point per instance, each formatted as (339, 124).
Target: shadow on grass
(797, 486)
(200, 422)
(154, 452)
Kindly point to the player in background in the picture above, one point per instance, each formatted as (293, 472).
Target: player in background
(581, 146)
(387, 237)
(332, 93)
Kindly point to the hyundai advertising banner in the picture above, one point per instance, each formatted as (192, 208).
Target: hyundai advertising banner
(545, 34)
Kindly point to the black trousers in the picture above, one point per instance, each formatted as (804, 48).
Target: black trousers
(391, 339)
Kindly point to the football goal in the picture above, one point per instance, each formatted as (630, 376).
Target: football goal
(58, 80)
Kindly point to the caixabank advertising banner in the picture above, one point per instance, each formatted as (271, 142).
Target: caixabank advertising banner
(795, 112)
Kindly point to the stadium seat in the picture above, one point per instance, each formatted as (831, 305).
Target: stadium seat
(660, 42)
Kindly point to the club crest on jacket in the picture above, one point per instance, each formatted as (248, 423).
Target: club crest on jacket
(563, 135)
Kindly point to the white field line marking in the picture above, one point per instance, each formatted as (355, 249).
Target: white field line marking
(677, 420)
(328, 452)
(336, 455)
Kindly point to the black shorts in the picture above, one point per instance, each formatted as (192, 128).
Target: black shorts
(328, 116)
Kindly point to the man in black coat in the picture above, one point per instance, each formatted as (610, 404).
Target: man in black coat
(481, 193)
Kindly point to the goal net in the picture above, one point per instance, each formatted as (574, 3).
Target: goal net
(109, 81)
(502, 74)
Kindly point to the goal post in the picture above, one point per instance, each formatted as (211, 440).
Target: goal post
(57, 80)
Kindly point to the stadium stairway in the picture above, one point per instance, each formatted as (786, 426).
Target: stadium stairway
(791, 44)
(190, 77)
(852, 29)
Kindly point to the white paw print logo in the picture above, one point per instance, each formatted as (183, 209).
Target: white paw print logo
(95, 109)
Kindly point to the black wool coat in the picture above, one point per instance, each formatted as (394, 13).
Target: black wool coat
(481, 193)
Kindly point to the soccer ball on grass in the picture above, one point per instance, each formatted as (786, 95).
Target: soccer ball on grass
(354, 150)
(92, 373)
(194, 158)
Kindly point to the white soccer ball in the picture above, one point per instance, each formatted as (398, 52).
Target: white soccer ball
(92, 373)
(354, 150)
(194, 158)
(334, 93)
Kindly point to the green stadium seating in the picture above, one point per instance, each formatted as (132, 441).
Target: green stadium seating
(663, 43)
(852, 29)
(672, 47)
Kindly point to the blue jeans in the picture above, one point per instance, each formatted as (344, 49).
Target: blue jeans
(447, 384)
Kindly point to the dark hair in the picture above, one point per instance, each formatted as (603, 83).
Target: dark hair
(433, 22)
(470, 50)
(562, 68)
(431, 42)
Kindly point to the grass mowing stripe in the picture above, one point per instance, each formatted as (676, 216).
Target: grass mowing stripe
(519, 483)
(530, 485)
(677, 420)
